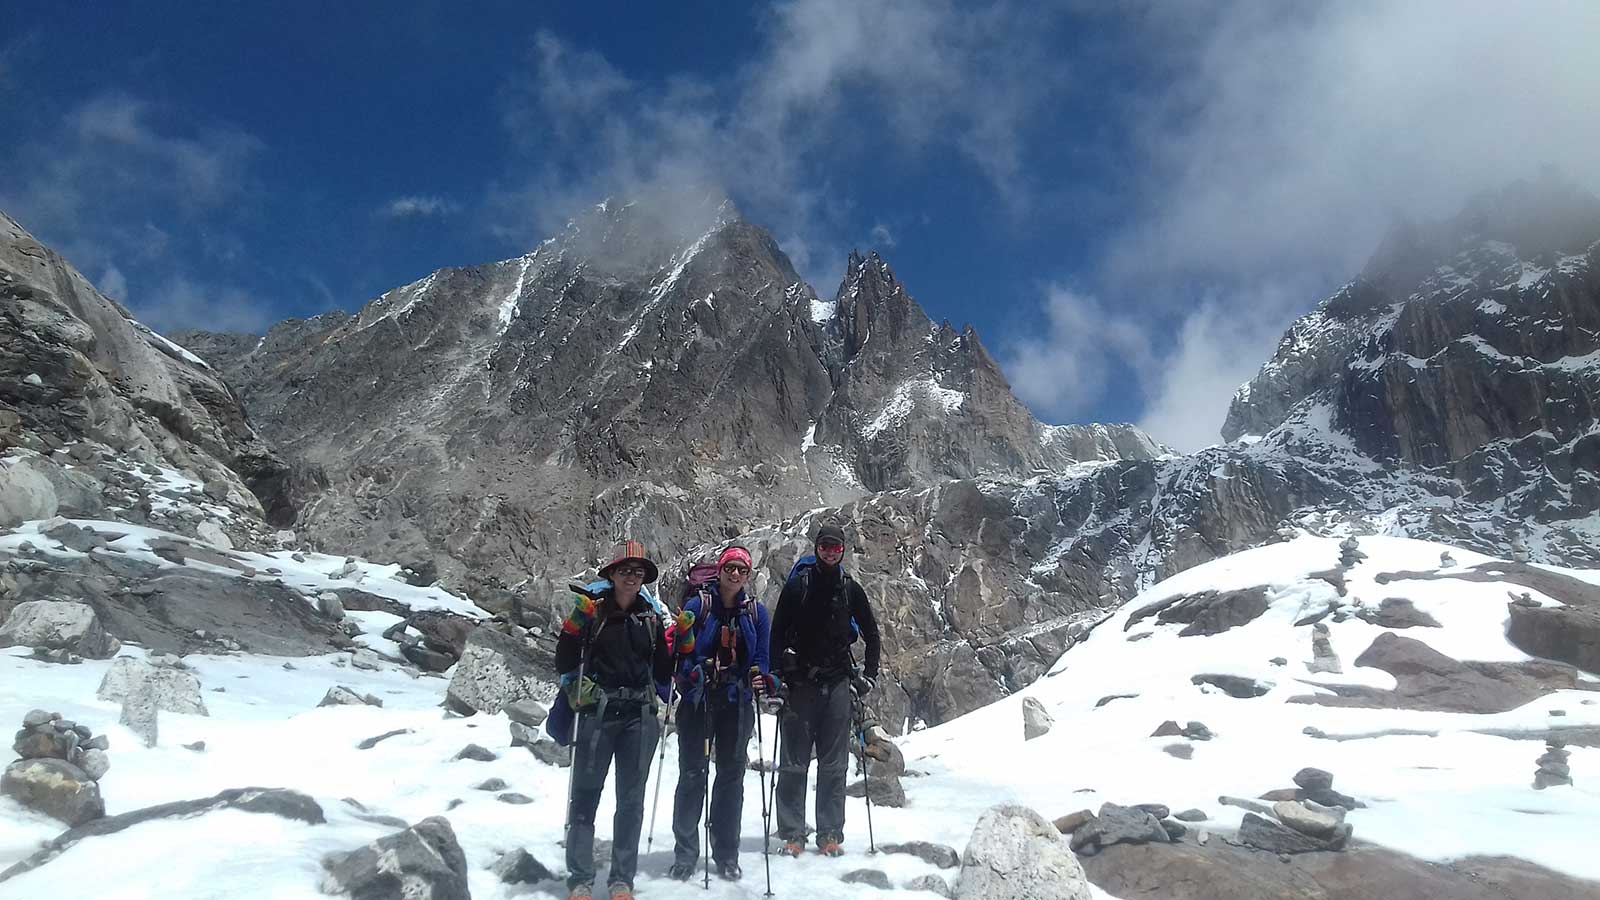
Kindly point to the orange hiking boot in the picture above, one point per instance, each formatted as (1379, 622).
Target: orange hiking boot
(621, 891)
(793, 849)
(832, 849)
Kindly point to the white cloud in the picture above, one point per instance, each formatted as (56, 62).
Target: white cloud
(882, 236)
(1284, 141)
(417, 206)
(1067, 366)
(113, 283)
(890, 80)
(181, 303)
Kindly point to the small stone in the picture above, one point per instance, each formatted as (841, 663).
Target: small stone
(1071, 822)
(475, 752)
(448, 807)
(931, 883)
(1036, 721)
(869, 877)
(514, 799)
(1159, 810)
(1558, 712)
(95, 764)
(1181, 751)
(1202, 837)
(519, 867)
(371, 742)
(197, 746)
(934, 854)
(1279, 661)
(1168, 728)
(38, 717)
(1192, 815)
(98, 742)
(1175, 830)
(493, 784)
(527, 712)
(1318, 823)
(1278, 794)
(1314, 779)
(548, 751)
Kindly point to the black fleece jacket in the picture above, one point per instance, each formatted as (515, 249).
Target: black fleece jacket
(813, 617)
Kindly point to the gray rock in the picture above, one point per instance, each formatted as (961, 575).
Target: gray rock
(931, 883)
(1181, 751)
(869, 877)
(1036, 722)
(339, 695)
(1016, 854)
(1314, 779)
(1265, 834)
(197, 746)
(371, 742)
(519, 867)
(98, 742)
(1159, 810)
(25, 494)
(1071, 822)
(523, 735)
(934, 854)
(424, 862)
(58, 625)
(328, 604)
(1309, 818)
(1323, 659)
(476, 753)
(75, 537)
(1398, 612)
(1241, 803)
(426, 658)
(1238, 687)
(1175, 830)
(54, 787)
(38, 717)
(495, 671)
(492, 784)
(165, 687)
(142, 716)
(514, 798)
(1191, 815)
(548, 751)
(95, 764)
(885, 790)
(527, 712)
(1116, 825)
(366, 660)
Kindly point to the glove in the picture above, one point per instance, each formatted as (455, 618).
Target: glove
(684, 629)
(694, 678)
(862, 685)
(763, 684)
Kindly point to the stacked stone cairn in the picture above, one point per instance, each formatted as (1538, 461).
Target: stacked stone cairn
(1553, 768)
(60, 768)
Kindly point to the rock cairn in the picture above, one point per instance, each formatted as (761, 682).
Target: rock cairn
(59, 770)
(1350, 553)
(1553, 768)
(1519, 548)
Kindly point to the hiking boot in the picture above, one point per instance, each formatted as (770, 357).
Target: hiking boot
(681, 871)
(729, 871)
(581, 892)
(620, 891)
(832, 848)
(792, 848)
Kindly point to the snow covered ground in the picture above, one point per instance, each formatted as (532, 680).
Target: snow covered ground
(1456, 794)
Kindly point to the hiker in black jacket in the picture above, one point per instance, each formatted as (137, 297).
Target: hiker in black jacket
(818, 613)
(614, 650)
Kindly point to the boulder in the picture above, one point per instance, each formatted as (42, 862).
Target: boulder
(1208, 612)
(548, 751)
(54, 787)
(1265, 834)
(58, 625)
(1314, 779)
(885, 758)
(869, 877)
(1181, 751)
(423, 862)
(25, 494)
(519, 867)
(1397, 612)
(495, 671)
(1071, 822)
(95, 763)
(1016, 854)
(426, 658)
(934, 854)
(1036, 722)
(328, 604)
(1568, 633)
(165, 687)
(476, 753)
(514, 798)
(1235, 686)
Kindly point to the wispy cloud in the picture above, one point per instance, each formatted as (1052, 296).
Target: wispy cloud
(882, 236)
(417, 206)
(1067, 365)
(895, 79)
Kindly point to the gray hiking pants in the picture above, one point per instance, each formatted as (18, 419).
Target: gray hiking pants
(729, 725)
(628, 734)
(817, 717)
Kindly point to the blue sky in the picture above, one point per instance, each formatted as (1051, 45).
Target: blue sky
(1130, 205)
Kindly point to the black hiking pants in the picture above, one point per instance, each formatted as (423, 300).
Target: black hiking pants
(626, 733)
(729, 723)
(817, 717)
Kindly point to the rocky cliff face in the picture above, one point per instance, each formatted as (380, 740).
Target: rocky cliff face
(507, 422)
(110, 414)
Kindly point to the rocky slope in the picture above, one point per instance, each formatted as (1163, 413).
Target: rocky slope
(101, 416)
(506, 422)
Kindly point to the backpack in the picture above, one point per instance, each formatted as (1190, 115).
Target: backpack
(803, 568)
(561, 723)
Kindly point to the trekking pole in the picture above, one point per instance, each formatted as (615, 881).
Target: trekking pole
(766, 820)
(705, 698)
(866, 773)
(661, 773)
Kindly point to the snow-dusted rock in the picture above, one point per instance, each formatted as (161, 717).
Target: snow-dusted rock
(25, 494)
(934, 854)
(165, 687)
(211, 532)
(423, 862)
(339, 695)
(519, 867)
(1036, 722)
(931, 883)
(54, 787)
(58, 625)
(1016, 854)
(1316, 820)
(495, 670)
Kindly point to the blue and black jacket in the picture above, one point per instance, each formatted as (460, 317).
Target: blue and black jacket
(754, 630)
